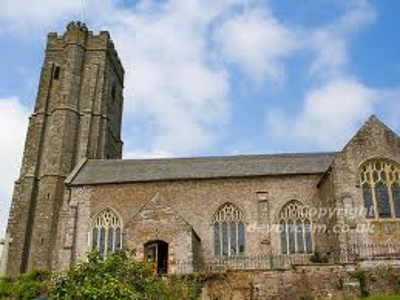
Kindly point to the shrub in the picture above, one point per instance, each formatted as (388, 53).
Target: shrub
(185, 286)
(26, 286)
(362, 279)
(116, 277)
(319, 258)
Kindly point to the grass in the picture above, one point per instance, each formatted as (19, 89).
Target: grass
(393, 297)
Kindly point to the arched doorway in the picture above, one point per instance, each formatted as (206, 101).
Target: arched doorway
(156, 253)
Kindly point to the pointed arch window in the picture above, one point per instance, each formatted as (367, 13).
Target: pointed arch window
(107, 232)
(380, 184)
(295, 228)
(229, 231)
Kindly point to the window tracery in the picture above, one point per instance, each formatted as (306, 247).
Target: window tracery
(107, 233)
(380, 183)
(295, 228)
(229, 231)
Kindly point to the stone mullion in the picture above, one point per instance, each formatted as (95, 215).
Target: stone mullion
(237, 238)
(98, 239)
(311, 237)
(228, 235)
(304, 232)
(221, 241)
(114, 239)
(107, 232)
(374, 200)
(287, 237)
(305, 235)
(295, 236)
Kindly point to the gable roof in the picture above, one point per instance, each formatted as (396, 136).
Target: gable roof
(145, 170)
(159, 204)
(372, 123)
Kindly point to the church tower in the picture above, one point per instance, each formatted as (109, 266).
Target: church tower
(77, 115)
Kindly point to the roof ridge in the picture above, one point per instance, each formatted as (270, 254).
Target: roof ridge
(216, 157)
(119, 171)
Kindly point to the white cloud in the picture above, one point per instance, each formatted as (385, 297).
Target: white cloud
(257, 42)
(17, 14)
(145, 154)
(13, 118)
(172, 78)
(337, 103)
(390, 107)
(332, 54)
(358, 14)
(332, 112)
(178, 82)
(330, 43)
(180, 85)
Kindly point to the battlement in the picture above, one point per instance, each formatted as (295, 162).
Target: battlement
(77, 33)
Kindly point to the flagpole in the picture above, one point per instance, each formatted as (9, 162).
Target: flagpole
(83, 11)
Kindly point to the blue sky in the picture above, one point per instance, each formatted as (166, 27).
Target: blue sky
(217, 77)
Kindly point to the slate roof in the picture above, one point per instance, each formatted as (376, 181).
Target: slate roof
(144, 170)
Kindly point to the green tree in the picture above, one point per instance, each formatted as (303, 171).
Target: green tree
(116, 277)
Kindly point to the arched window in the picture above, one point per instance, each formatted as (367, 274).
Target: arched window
(107, 232)
(229, 231)
(380, 184)
(295, 228)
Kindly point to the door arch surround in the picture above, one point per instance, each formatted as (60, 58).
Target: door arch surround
(156, 253)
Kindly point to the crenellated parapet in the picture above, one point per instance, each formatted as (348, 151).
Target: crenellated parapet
(77, 33)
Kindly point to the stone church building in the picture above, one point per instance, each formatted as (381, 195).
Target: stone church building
(75, 192)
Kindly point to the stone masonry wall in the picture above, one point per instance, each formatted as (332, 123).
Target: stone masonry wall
(196, 201)
(302, 282)
(75, 117)
(374, 140)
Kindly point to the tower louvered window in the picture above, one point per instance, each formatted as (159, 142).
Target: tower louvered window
(107, 233)
(380, 183)
(295, 228)
(229, 231)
